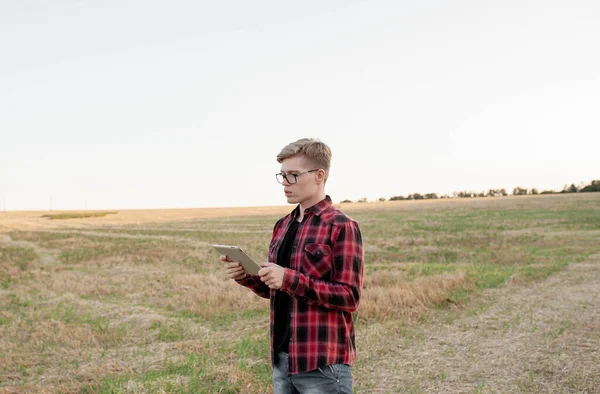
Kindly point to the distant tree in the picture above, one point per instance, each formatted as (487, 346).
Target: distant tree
(364, 199)
(496, 192)
(592, 187)
(569, 189)
(519, 191)
(345, 201)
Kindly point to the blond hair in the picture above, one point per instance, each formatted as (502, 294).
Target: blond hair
(315, 151)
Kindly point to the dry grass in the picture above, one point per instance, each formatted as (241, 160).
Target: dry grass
(541, 338)
(138, 302)
(391, 295)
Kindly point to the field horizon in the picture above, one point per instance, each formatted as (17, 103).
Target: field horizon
(31, 219)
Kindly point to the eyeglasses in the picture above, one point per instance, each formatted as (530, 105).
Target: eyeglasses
(291, 178)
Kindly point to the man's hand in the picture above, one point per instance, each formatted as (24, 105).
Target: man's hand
(272, 275)
(234, 270)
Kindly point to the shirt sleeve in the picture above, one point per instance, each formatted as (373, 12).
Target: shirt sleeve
(254, 283)
(344, 290)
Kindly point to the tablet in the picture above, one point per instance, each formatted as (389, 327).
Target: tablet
(235, 253)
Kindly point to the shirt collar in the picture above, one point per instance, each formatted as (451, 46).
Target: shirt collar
(316, 209)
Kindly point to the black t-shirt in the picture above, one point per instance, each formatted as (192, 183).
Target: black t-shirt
(283, 301)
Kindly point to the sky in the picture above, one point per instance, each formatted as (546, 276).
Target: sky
(126, 104)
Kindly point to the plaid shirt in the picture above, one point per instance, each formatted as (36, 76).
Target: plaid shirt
(324, 279)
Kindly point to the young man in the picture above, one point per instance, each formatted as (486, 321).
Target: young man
(313, 278)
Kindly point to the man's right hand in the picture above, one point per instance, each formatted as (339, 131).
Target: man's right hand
(234, 270)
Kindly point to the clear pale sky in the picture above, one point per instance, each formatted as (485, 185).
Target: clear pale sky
(170, 104)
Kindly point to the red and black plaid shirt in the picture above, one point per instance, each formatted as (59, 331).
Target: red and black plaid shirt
(324, 280)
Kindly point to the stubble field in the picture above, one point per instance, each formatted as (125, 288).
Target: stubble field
(474, 295)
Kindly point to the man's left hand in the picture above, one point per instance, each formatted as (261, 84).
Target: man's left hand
(272, 275)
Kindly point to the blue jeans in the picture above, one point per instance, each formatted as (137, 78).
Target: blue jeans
(331, 379)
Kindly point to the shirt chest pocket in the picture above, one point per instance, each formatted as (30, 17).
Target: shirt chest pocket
(317, 261)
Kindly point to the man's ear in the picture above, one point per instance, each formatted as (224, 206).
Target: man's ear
(321, 175)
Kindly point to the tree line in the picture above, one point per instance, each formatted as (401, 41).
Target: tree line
(594, 186)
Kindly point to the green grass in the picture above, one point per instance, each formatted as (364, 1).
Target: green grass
(19, 257)
(168, 332)
(193, 374)
(77, 215)
(490, 244)
(100, 325)
(15, 263)
(252, 352)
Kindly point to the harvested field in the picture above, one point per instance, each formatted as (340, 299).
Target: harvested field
(487, 295)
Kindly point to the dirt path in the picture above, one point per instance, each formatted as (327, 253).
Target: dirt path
(542, 338)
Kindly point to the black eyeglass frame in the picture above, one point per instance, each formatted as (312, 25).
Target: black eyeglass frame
(285, 177)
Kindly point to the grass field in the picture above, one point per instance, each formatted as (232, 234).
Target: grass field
(102, 305)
